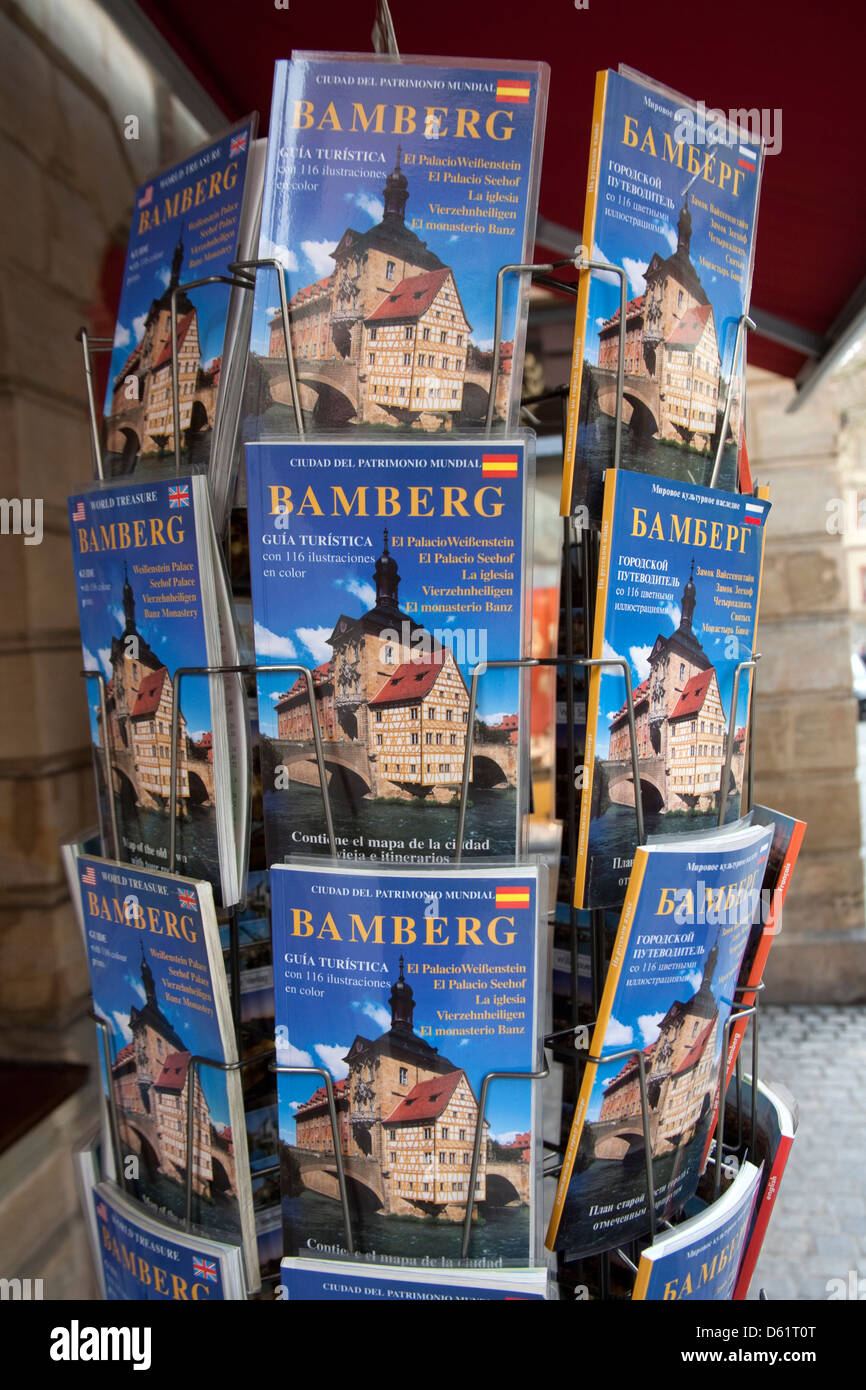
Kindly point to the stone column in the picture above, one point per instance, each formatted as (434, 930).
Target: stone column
(806, 714)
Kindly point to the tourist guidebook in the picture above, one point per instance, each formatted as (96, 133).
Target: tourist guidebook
(407, 988)
(392, 571)
(668, 994)
(671, 198)
(152, 598)
(395, 189)
(189, 222)
(159, 982)
(678, 584)
(313, 1280)
(143, 1260)
(699, 1259)
(778, 1119)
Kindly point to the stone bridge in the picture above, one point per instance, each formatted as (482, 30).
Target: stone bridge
(493, 764)
(507, 1183)
(619, 782)
(622, 1138)
(641, 404)
(332, 385)
(126, 783)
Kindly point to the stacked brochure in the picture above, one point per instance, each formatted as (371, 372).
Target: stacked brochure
(190, 223)
(394, 192)
(700, 1258)
(401, 990)
(393, 572)
(672, 200)
(777, 1121)
(153, 600)
(142, 1259)
(668, 994)
(312, 1280)
(159, 985)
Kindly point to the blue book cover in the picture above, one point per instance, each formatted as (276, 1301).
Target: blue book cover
(699, 1259)
(406, 989)
(672, 199)
(143, 1263)
(392, 571)
(394, 191)
(668, 994)
(159, 983)
(186, 224)
(305, 1280)
(679, 581)
(152, 598)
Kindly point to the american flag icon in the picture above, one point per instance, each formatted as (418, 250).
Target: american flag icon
(146, 197)
(238, 144)
(178, 496)
(88, 876)
(205, 1269)
(102, 1211)
(78, 514)
(187, 899)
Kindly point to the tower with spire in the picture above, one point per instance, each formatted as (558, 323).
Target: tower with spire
(680, 722)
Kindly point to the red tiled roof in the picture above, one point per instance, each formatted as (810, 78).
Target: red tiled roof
(320, 1097)
(632, 307)
(508, 721)
(639, 694)
(183, 328)
(124, 1054)
(412, 297)
(693, 694)
(411, 681)
(308, 292)
(740, 735)
(426, 1100)
(173, 1074)
(149, 694)
(320, 674)
(695, 1052)
(688, 331)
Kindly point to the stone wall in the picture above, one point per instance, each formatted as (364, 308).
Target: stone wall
(806, 714)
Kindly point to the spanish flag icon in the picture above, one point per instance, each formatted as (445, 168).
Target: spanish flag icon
(512, 896)
(499, 465)
(512, 89)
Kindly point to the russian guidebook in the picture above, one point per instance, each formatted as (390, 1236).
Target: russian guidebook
(317, 1280)
(699, 1259)
(392, 571)
(142, 1260)
(677, 599)
(189, 222)
(406, 987)
(394, 191)
(668, 993)
(152, 598)
(159, 983)
(778, 1120)
(672, 199)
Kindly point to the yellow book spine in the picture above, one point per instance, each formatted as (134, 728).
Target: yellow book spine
(579, 346)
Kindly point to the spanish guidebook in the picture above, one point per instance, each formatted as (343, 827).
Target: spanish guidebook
(668, 994)
(677, 600)
(159, 985)
(395, 189)
(317, 1280)
(404, 989)
(189, 223)
(672, 200)
(393, 572)
(153, 600)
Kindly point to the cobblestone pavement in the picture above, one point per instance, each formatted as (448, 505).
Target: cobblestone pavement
(818, 1229)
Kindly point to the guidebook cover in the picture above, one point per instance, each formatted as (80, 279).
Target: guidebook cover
(394, 191)
(678, 586)
(407, 988)
(186, 223)
(671, 198)
(159, 983)
(778, 1120)
(392, 571)
(317, 1280)
(148, 580)
(699, 1259)
(668, 994)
